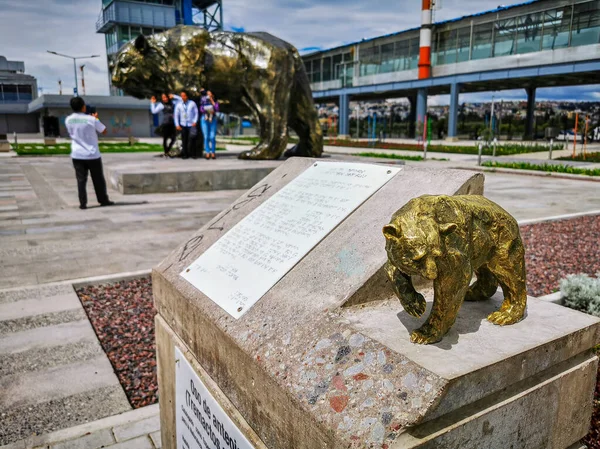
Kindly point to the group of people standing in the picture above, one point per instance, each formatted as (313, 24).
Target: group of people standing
(181, 114)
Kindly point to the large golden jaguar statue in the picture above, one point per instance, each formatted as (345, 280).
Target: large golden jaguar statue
(251, 73)
(446, 239)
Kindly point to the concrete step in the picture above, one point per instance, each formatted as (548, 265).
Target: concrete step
(130, 430)
(51, 364)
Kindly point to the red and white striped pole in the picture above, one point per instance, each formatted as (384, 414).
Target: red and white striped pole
(425, 40)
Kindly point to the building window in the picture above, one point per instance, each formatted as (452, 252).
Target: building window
(308, 67)
(10, 93)
(463, 44)
(586, 24)
(504, 37)
(446, 47)
(402, 55)
(529, 33)
(482, 41)
(123, 35)
(25, 92)
(327, 72)
(315, 74)
(369, 60)
(387, 58)
(413, 55)
(557, 23)
(337, 61)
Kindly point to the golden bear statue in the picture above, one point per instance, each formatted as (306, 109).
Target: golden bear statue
(446, 239)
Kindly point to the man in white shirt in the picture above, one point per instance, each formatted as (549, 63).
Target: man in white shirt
(83, 129)
(186, 121)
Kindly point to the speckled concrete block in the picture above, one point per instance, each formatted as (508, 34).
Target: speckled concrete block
(323, 360)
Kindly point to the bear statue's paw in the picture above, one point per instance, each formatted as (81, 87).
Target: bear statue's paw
(297, 151)
(415, 305)
(426, 335)
(257, 154)
(506, 317)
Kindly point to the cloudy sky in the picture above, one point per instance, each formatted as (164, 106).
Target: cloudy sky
(29, 28)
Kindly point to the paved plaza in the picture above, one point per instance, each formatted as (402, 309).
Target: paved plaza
(45, 238)
(46, 242)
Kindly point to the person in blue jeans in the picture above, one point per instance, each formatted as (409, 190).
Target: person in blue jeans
(208, 108)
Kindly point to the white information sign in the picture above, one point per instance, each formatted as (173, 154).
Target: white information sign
(243, 265)
(201, 422)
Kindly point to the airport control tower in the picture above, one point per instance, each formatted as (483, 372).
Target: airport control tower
(123, 20)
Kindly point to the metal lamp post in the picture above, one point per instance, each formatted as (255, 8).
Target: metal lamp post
(74, 58)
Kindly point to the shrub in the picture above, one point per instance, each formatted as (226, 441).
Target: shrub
(554, 168)
(582, 293)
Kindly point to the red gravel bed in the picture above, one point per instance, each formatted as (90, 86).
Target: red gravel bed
(122, 315)
(556, 249)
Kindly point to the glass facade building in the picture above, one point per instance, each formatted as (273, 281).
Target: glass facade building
(517, 30)
(16, 86)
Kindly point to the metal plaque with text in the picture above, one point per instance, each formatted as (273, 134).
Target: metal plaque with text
(201, 421)
(243, 265)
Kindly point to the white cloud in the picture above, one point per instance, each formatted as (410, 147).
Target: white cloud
(69, 26)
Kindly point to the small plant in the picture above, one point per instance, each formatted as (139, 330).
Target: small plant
(486, 135)
(553, 168)
(391, 156)
(582, 292)
(589, 157)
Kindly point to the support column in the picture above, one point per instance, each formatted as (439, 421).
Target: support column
(421, 109)
(412, 116)
(453, 113)
(530, 112)
(344, 116)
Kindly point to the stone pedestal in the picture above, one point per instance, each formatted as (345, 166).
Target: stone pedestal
(177, 175)
(323, 360)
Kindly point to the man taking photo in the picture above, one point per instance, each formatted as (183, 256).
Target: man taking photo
(83, 129)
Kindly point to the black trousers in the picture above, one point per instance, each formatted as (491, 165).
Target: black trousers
(188, 143)
(94, 166)
(169, 132)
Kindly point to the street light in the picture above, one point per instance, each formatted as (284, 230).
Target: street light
(74, 58)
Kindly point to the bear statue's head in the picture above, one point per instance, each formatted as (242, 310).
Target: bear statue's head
(171, 61)
(414, 241)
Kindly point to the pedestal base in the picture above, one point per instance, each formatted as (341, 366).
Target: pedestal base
(550, 409)
(324, 360)
(177, 175)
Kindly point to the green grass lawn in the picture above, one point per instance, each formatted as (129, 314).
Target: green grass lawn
(35, 149)
(589, 157)
(503, 149)
(397, 156)
(544, 167)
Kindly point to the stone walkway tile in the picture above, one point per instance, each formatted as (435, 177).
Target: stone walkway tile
(139, 443)
(56, 383)
(60, 334)
(38, 306)
(94, 440)
(67, 228)
(144, 427)
(156, 439)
